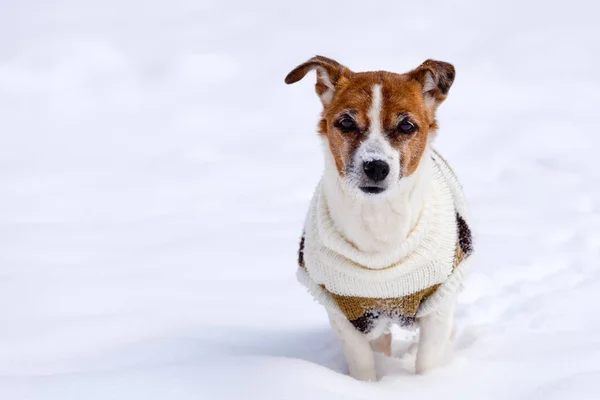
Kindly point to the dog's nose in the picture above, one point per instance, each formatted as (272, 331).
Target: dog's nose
(376, 170)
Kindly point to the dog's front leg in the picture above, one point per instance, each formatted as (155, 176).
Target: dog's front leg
(436, 331)
(357, 349)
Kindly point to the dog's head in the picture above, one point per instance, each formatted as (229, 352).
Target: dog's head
(377, 124)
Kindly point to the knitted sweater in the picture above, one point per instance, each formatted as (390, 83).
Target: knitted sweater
(403, 284)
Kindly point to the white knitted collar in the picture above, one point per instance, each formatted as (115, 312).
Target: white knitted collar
(424, 259)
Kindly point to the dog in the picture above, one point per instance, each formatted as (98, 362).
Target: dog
(386, 239)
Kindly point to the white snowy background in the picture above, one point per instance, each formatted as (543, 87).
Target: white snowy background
(155, 171)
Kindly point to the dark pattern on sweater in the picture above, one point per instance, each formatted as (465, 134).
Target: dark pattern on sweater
(366, 322)
(301, 252)
(465, 240)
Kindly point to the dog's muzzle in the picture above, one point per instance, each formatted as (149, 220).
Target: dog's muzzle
(374, 174)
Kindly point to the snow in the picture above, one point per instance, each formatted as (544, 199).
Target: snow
(156, 171)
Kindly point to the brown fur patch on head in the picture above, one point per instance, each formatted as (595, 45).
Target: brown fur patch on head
(414, 95)
(400, 96)
(403, 96)
(353, 97)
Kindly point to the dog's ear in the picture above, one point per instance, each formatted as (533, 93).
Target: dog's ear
(435, 78)
(329, 74)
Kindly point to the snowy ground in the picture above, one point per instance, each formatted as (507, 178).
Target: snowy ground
(155, 171)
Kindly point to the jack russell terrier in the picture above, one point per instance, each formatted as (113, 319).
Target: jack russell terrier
(386, 239)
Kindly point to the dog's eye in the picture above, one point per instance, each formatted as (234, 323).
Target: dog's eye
(346, 124)
(406, 127)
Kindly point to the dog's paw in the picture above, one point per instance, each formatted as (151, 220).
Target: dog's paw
(426, 362)
(365, 375)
